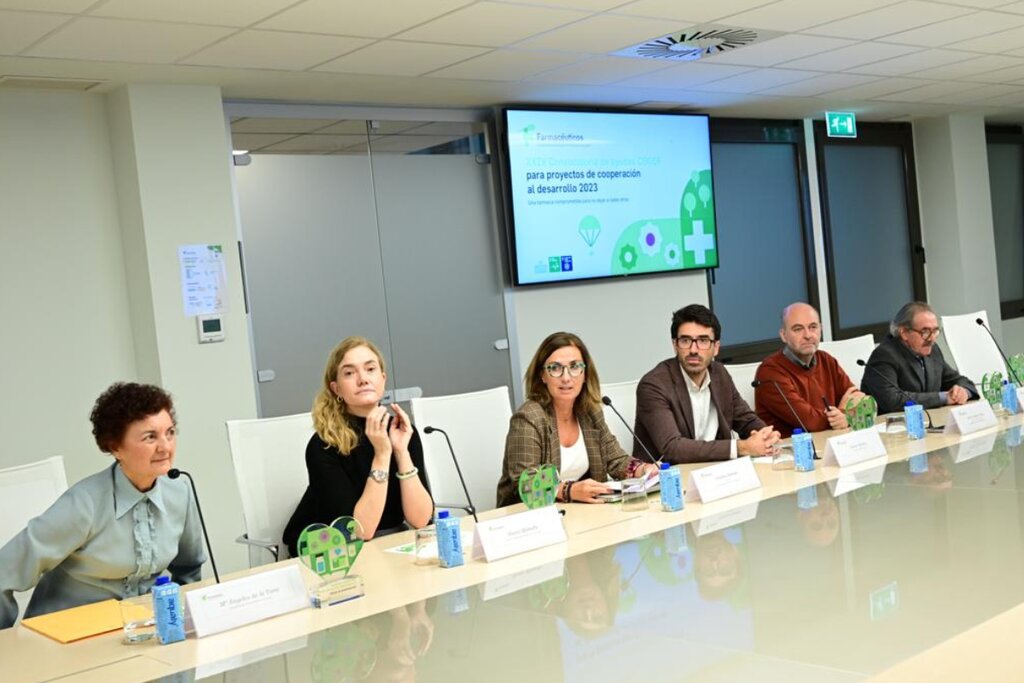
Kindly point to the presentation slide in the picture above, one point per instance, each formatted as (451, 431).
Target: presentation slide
(609, 194)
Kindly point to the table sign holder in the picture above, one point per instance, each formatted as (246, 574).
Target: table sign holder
(228, 605)
(714, 482)
(495, 539)
(330, 552)
(852, 448)
(970, 418)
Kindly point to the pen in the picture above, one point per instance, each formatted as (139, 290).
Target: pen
(825, 401)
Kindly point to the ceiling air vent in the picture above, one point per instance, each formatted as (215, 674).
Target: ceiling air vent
(696, 43)
(45, 83)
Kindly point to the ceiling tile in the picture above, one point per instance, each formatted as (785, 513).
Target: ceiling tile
(877, 88)
(589, 5)
(759, 79)
(360, 18)
(688, 11)
(819, 85)
(926, 92)
(456, 128)
(349, 127)
(405, 144)
(1014, 7)
(604, 33)
(269, 125)
(506, 65)
(69, 6)
(1009, 99)
(852, 56)
(970, 68)
(684, 76)
(795, 15)
(314, 143)
(902, 16)
(979, 95)
(118, 40)
(491, 24)
(777, 50)
(917, 61)
(252, 142)
(222, 12)
(398, 58)
(602, 70)
(18, 30)
(994, 43)
(275, 50)
(954, 30)
(1014, 73)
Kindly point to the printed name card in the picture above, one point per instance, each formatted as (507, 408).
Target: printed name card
(852, 448)
(725, 479)
(247, 600)
(518, 533)
(970, 418)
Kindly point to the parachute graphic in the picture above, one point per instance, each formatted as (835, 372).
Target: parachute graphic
(590, 230)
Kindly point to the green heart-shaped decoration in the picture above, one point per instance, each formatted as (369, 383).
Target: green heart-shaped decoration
(537, 486)
(992, 387)
(862, 414)
(331, 549)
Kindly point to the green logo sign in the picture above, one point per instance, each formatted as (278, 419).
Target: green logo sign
(841, 124)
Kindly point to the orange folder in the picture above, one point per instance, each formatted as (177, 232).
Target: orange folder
(76, 623)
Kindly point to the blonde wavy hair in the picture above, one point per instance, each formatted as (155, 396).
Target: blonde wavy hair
(589, 399)
(330, 417)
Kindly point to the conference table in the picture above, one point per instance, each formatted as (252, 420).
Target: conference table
(907, 568)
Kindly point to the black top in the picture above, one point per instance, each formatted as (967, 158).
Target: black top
(920, 377)
(336, 483)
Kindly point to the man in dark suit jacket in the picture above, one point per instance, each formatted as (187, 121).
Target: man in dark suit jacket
(909, 359)
(687, 406)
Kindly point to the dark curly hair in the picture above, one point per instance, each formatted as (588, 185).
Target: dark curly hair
(120, 405)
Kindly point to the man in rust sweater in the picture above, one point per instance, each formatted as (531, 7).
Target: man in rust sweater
(812, 380)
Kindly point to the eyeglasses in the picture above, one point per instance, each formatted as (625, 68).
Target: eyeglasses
(703, 343)
(556, 370)
(927, 333)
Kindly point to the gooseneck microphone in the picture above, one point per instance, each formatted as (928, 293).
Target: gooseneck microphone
(757, 382)
(897, 387)
(174, 474)
(608, 402)
(458, 470)
(1016, 380)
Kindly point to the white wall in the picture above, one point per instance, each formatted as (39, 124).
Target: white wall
(66, 331)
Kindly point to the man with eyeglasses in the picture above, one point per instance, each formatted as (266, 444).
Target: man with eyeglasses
(812, 381)
(909, 358)
(687, 407)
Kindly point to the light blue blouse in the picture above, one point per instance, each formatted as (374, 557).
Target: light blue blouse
(102, 539)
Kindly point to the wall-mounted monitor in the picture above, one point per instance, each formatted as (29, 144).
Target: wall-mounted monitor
(597, 194)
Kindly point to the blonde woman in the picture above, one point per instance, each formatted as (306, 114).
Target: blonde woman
(362, 461)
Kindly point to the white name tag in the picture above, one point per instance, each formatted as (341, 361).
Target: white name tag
(495, 588)
(970, 418)
(863, 476)
(518, 533)
(722, 480)
(852, 448)
(972, 448)
(246, 600)
(724, 520)
(1020, 399)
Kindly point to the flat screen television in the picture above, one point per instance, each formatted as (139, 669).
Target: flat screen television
(601, 194)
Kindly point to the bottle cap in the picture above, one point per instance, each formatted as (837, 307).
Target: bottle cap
(163, 580)
(1005, 382)
(797, 431)
(442, 514)
(665, 466)
(909, 403)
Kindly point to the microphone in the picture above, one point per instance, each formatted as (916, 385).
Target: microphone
(999, 348)
(458, 470)
(757, 382)
(608, 402)
(174, 474)
(860, 362)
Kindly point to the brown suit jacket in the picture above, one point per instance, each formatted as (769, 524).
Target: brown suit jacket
(664, 415)
(532, 441)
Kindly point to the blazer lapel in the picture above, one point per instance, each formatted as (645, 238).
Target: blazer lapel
(683, 394)
(724, 421)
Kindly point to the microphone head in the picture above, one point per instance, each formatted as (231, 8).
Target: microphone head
(428, 430)
(173, 473)
(980, 321)
(756, 383)
(860, 362)
(606, 400)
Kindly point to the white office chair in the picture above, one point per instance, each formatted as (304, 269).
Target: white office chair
(742, 375)
(26, 492)
(476, 423)
(623, 396)
(848, 352)
(973, 352)
(269, 458)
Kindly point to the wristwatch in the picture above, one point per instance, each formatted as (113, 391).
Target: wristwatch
(379, 476)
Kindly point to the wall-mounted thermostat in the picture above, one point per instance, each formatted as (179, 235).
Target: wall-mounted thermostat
(211, 328)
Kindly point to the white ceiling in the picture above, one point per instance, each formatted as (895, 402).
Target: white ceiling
(884, 59)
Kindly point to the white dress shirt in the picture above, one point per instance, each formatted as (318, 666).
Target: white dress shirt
(705, 415)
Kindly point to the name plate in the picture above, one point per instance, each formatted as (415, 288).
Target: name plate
(852, 448)
(972, 448)
(970, 418)
(246, 600)
(719, 481)
(1020, 399)
(518, 533)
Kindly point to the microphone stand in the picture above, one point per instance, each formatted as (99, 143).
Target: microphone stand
(174, 474)
(470, 507)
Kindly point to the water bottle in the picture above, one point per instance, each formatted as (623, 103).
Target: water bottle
(1010, 397)
(913, 413)
(449, 540)
(803, 451)
(671, 488)
(170, 622)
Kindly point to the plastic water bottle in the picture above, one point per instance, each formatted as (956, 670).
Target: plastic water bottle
(449, 540)
(1010, 397)
(803, 451)
(671, 488)
(170, 622)
(913, 413)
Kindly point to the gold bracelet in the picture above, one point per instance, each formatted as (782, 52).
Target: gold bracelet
(410, 474)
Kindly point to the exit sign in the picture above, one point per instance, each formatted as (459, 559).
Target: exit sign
(841, 124)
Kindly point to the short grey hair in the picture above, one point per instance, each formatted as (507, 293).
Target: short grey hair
(904, 317)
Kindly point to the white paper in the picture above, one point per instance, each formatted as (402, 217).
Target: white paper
(970, 418)
(722, 480)
(246, 600)
(495, 588)
(518, 533)
(650, 483)
(972, 448)
(430, 551)
(724, 520)
(852, 448)
(203, 279)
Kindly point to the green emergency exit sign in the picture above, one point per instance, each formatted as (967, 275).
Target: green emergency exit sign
(841, 124)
